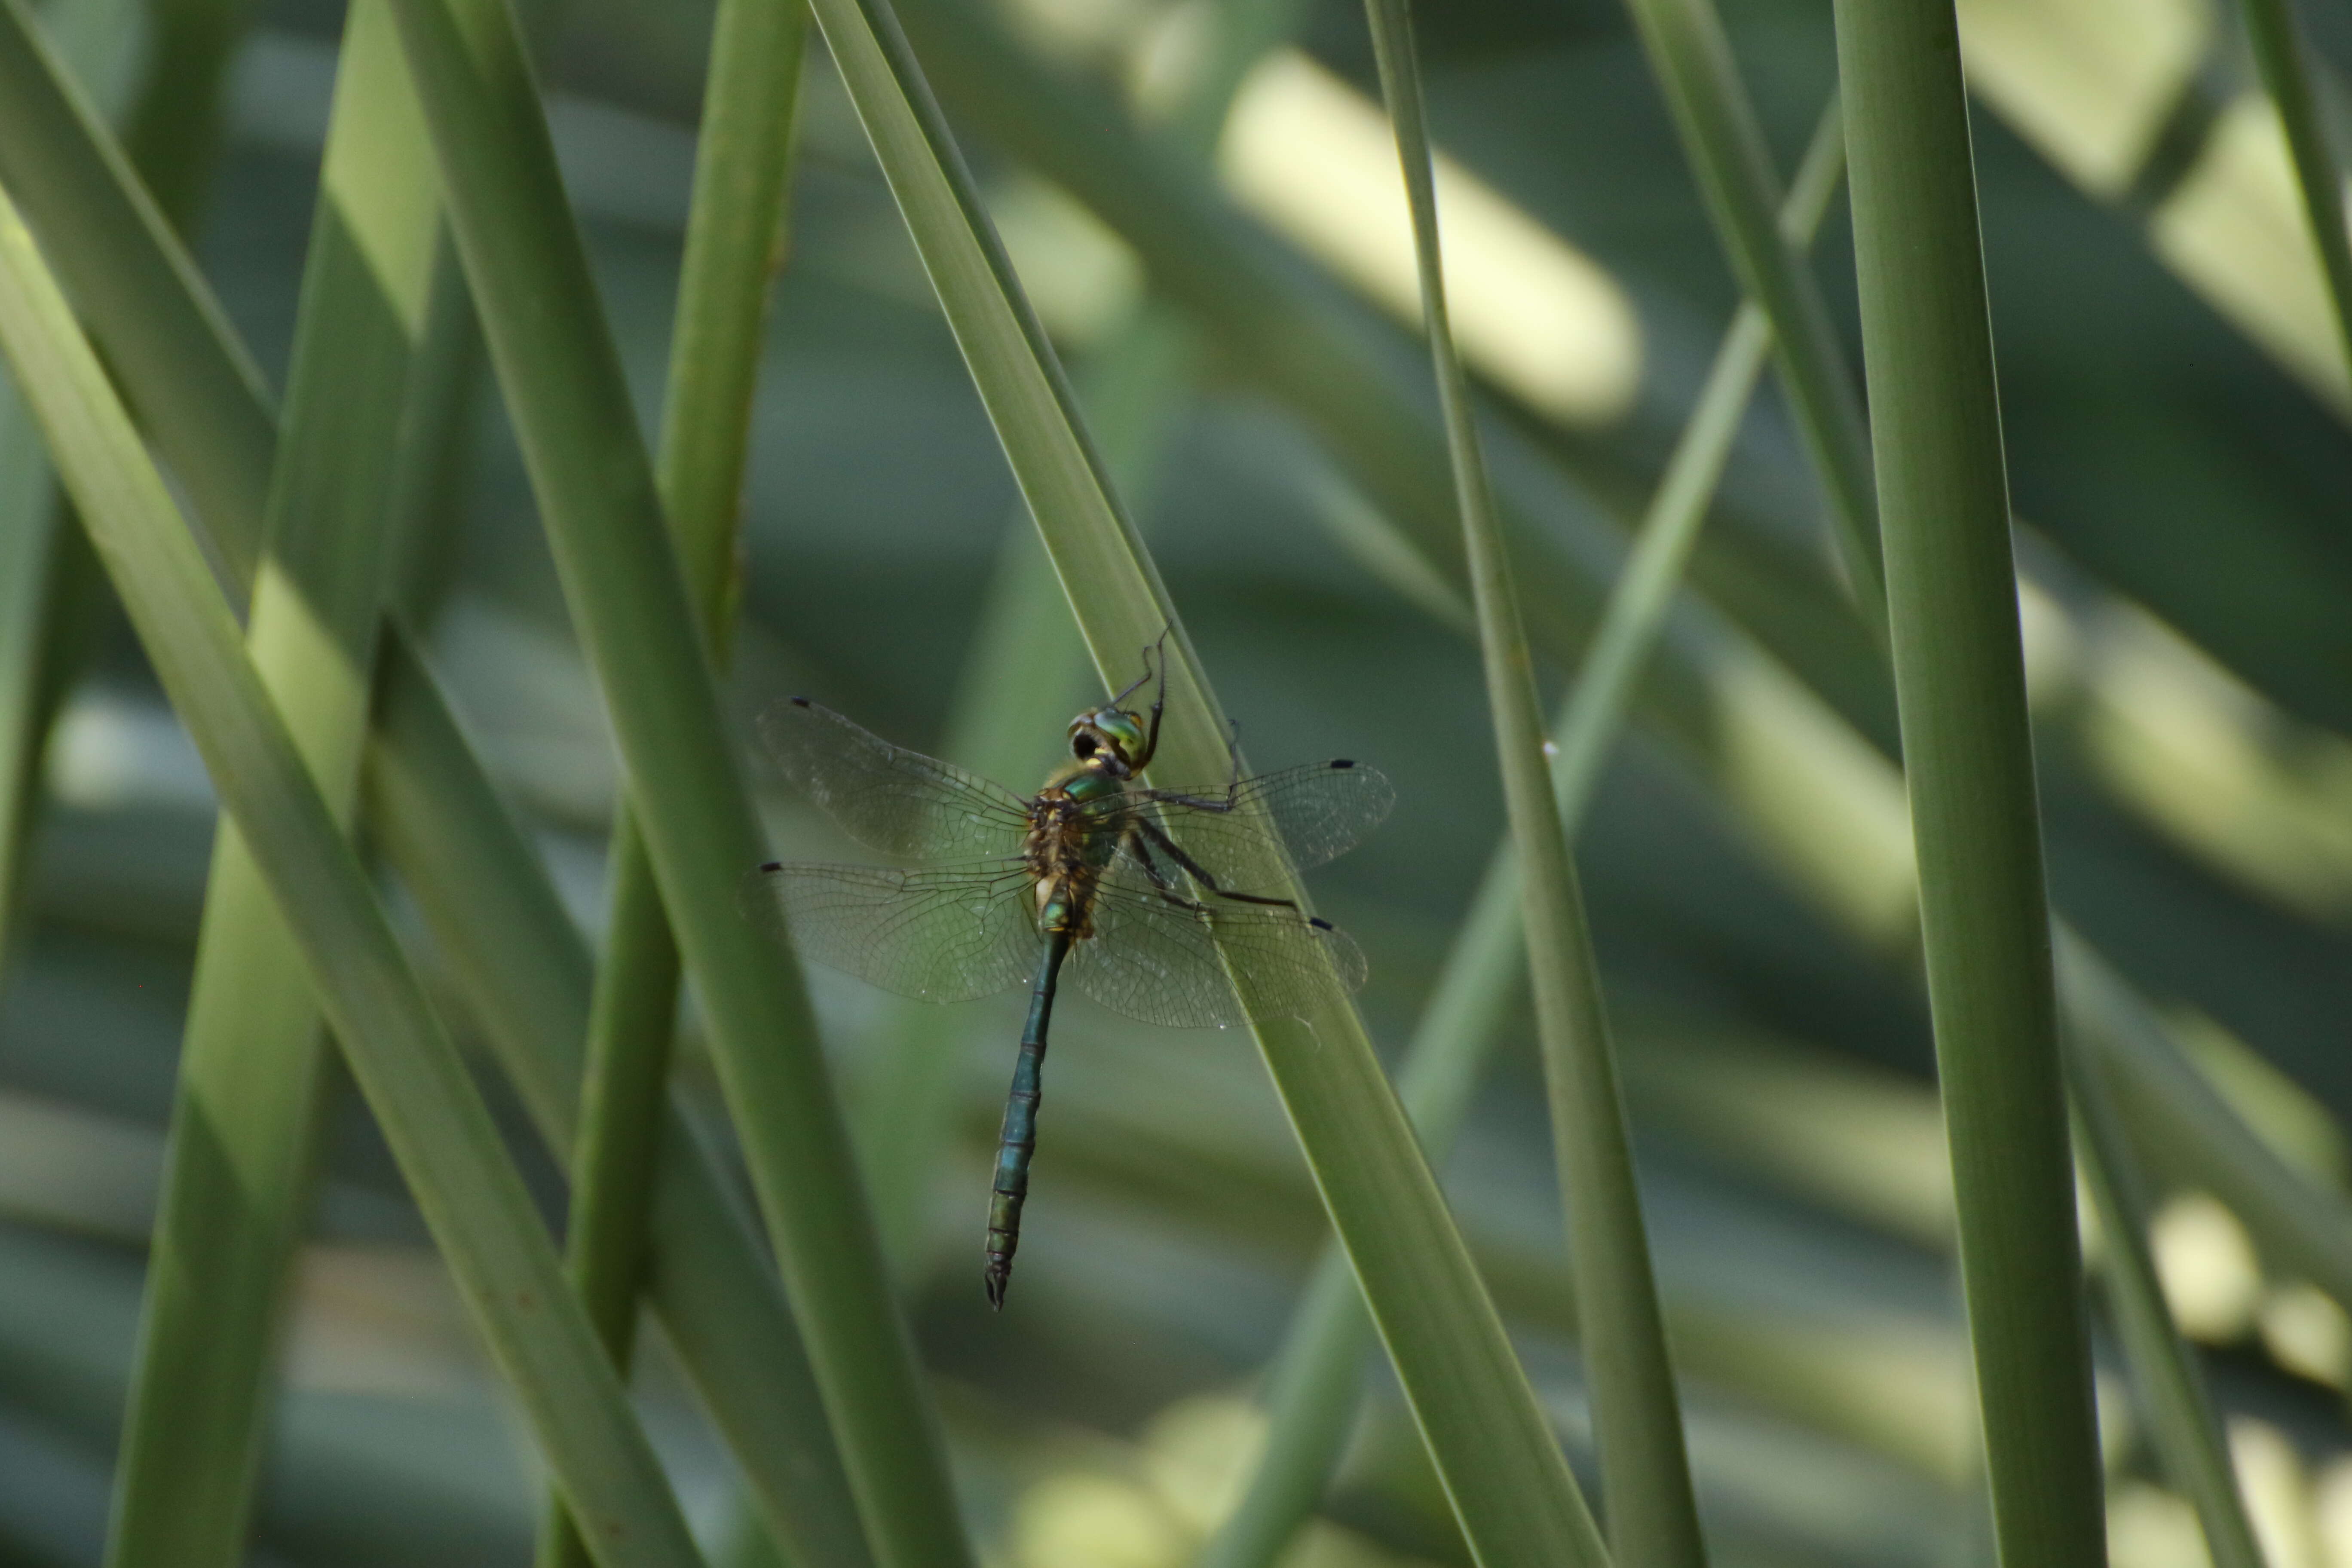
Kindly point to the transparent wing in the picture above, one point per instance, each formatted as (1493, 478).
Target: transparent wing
(1320, 810)
(1156, 962)
(938, 933)
(904, 804)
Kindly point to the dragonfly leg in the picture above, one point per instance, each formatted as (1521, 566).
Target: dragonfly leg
(1019, 1141)
(1151, 833)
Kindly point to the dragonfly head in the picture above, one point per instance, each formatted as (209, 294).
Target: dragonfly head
(1108, 738)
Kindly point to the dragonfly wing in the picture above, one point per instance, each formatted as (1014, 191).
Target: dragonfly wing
(938, 933)
(1158, 961)
(1319, 810)
(889, 798)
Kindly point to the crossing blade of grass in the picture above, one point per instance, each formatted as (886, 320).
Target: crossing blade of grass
(1960, 682)
(1652, 1511)
(1350, 383)
(1692, 60)
(1493, 1449)
(2303, 1229)
(526, 974)
(735, 232)
(244, 1111)
(29, 541)
(557, 366)
(2284, 58)
(66, 172)
(429, 1111)
(1311, 1393)
(717, 1296)
(2163, 1367)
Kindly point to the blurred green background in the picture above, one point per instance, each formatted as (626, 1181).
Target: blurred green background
(2175, 416)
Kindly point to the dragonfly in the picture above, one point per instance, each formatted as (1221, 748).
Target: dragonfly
(1141, 896)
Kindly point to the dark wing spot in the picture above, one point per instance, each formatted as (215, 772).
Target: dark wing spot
(1343, 761)
(799, 702)
(1318, 922)
(772, 865)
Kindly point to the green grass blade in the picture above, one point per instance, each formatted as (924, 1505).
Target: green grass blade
(735, 231)
(1502, 1469)
(1691, 57)
(1652, 1511)
(48, 580)
(2303, 1228)
(30, 539)
(245, 1113)
(526, 975)
(79, 193)
(1960, 683)
(717, 1298)
(2285, 60)
(562, 377)
(430, 1113)
(175, 132)
(1289, 340)
(2163, 1367)
(1311, 1395)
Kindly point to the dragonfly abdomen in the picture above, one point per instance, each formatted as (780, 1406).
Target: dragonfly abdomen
(1018, 1141)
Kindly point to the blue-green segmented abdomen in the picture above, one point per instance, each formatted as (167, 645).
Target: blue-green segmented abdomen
(1019, 1139)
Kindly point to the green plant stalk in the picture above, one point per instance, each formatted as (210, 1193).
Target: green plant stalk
(2303, 1229)
(2284, 1207)
(1960, 681)
(716, 1295)
(51, 593)
(1647, 1497)
(735, 242)
(30, 539)
(245, 1112)
(1491, 1444)
(1692, 60)
(57, 160)
(174, 134)
(1320, 359)
(2163, 1367)
(428, 1108)
(2285, 60)
(526, 975)
(562, 377)
(1311, 1396)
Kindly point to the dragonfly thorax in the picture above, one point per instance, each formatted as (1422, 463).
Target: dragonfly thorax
(1072, 838)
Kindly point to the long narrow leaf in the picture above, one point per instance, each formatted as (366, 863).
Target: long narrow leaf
(526, 974)
(734, 231)
(429, 1110)
(79, 189)
(2163, 1367)
(1646, 1489)
(716, 1294)
(562, 377)
(245, 1113)
(1691, 57)
(1969, 759)
(1502, 1469)
(2285, 60)
(1311, 1393)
